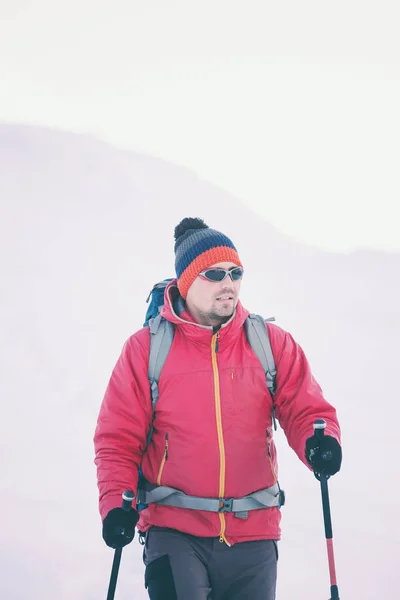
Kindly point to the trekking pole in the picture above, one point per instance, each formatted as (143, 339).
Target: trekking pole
(127, 498)
(319, 427)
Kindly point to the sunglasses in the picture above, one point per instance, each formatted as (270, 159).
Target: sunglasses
(217, 274)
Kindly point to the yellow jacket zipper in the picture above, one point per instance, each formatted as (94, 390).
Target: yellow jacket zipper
(214, 350)
(165, 457)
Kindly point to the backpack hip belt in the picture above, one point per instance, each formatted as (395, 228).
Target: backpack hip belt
(169, 496)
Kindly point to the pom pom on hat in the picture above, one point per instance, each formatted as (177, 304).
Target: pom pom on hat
(189, 223)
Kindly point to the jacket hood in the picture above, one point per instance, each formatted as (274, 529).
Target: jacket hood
(175, 311)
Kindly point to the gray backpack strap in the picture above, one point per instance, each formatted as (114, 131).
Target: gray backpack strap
(258, 338)
(161, 337)
(169, 496)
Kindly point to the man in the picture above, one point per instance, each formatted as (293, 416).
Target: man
(212, 434)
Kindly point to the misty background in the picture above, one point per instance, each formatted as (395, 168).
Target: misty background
(278, 125)
(87, 230)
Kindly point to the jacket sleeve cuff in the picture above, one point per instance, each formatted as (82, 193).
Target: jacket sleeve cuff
(111, 502)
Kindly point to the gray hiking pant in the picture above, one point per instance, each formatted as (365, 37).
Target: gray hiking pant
(182, 567)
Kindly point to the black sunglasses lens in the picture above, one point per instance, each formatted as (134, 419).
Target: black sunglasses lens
(236, 273)
(215, 274)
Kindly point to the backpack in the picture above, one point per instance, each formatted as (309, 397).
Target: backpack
(162, 334)
(161, 338)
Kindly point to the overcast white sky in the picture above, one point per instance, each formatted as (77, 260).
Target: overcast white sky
(291, 106)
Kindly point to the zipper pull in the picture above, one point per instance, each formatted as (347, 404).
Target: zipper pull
(216, 333)
(273, 418)
(223, 539)
(166, 446)
(269, 437)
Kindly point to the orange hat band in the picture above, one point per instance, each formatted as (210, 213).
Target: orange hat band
(202, 261)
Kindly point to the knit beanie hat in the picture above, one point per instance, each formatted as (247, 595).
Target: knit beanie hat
(197, 247)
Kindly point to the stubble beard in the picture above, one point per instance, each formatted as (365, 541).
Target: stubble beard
(222, 313)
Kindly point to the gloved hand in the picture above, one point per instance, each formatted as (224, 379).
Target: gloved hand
(119, 527)
(324, 454)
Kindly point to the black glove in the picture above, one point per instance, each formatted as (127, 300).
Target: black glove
(324, 454)
(119, 527)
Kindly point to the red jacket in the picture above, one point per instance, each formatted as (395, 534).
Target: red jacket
(212, 430)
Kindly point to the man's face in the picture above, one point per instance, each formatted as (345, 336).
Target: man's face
(213, 302)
